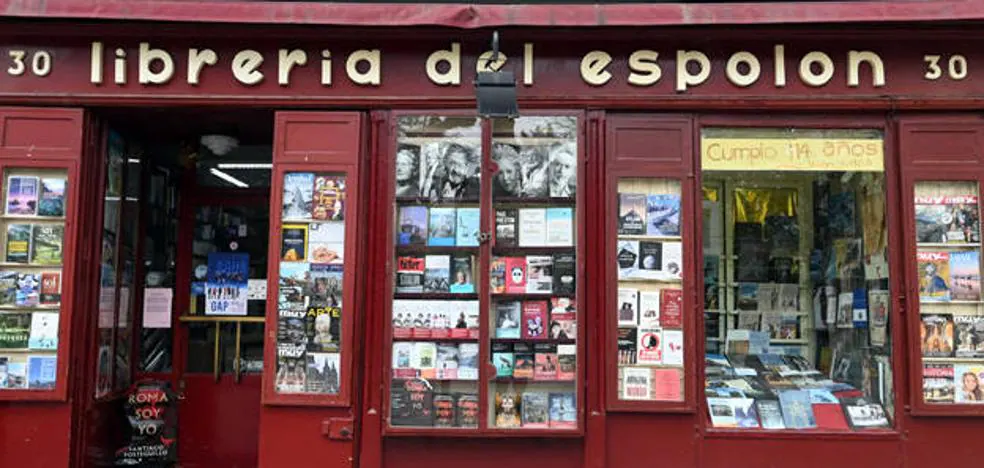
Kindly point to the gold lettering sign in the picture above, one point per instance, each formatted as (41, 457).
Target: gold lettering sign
(792, 154)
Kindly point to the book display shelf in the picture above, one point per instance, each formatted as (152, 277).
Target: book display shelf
(484, 333)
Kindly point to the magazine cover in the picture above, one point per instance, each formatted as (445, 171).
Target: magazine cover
(323, 373)
(934, 276)
(628, 307)
(469, 225)
(969, 335)
(44, 331)
(631, 213)
(532, 227)
(564, 273)
(506, 225)
(563, 410)
(50, 288)
(41, 372)
(28, 290)
(322, 327)
(636, 383)
(539, 274)
(507, 317)
(52, 200)
(965, 275)
(18, 243)
(461, 275)
(516, 275)
(412, 223)
(560, 227)
(968, 380)
(535, 410)
(295, 279)
(437, 273)
(442, 225)
(650, 346)
(328, 198)
(293, 242)
(534, 320)
(22, 195)
(938, 385)
(649, 309)
(15, 330)
(627, 256)
(46, 244)
(947, 219)
(663, 215)
(298, 195)
(937, 335)
(326, 243)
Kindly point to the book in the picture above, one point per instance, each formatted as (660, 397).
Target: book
(506, 227)
(631, 214)
(650, 260)
(864, 414)
(636, 383)
(967, 382)
(41, 372)
(441, 227)
(745, 412)
(563, 318)
(322, 324)
(411, 402)
(8, 287)
(298, 195)
(626, 343)
(410, 274)
(28, 290)
(539, 274)
(878, 307)
(672, 261)
(788, 298)
(845, 310)
(545, 361)
(22, 195)
(447, 361)
(649, 306)
(663, 215)
(437, 273)
(770, 414)
(18, 243)
(827, 410)
(497, 275)
(627, 256)
(797, 409)
(322, 373)
(516, 275)
(401, 356)
(563, 410)
(722, 412)
(326, 243)
(52, 199)
(564, 274)
(15, 330)
(413, 224)
(649, 346)
(468, 228)
(524, 364)
(44, 331)
(534, 320)
(628, 306)
(507, 319)
(329, 198)
(464, 314)
(965, 275)
(423, 358)
(468, 361)
(969, 336)
(671, 308)
(566, 362)
(532, 227)
(502, 359)
(46, 244)
(507, 409)
(937, 335)
(673, 347)
(938, 384)
(560, 227)
(535, 407)
(467, 409)
(462, 275)
(293, 243)
(947, 219)
(934, 275)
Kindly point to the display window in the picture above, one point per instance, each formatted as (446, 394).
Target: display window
(796, 280)
(485, 239)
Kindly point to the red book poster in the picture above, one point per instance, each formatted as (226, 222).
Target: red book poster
(667, 385)
(534, 320)
(516, 275)
(671, 308)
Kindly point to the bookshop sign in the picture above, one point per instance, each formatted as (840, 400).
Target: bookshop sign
(792, 154)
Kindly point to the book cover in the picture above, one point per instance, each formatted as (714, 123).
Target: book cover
(411, 403)
(650, 346)
(516, 275)
(467, 230)
(41, 372)
(15, 330)
(722, 412)
(671, 308)
(468, 361)
(15, 368)
(507, 323)
(443, 222)
(563, 318)
(28, 290)
(293, 243)
(329, 198)
(672, 266)
(437, 273)
(859, 311)
(650, 260)
(535, 407)
(22, 195)
(938, 384)
(534, 320)
(626, 342)
(845, 310)
(663, 215)
(788, 298)
(44, 331)
(827, 410)
(627, 256)
(745, 412)
(545, 361)
(947, 219)
(636, 383)
(797, 409)
(563, 410)
(502, 359)
(564, 274)
(524, 364)
(18, 243)
(673, 347)
(767, 297)
(934, 275)
(937, 335)
(566, 362)
(410, 274)
(447, 361)
(423, 358)
(298, 195)
(52, 200)
(770, 414)
(560, 227)
(649, 306)
(497, 275)
(539, 274)
(462, 275)
(506, 230)
(967, 382)
(413, 223)
(507, 409)
(628, 307)
(878, 307)
(969, 336)
(401, 356)
(532, 227)
(467, 408)
(631, 214)
(864, 414)
(46, 244)
(965, 275)
(8, 287)
(326, 243)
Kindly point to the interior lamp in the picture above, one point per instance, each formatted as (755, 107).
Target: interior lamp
(220, 145)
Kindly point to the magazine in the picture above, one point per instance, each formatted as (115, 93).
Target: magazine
(965, 275)
(46, 244)
(947, 219)
(328, 198)
(52, 200)
(298, 195)
(934, 275)
(969, 383)
(293, 242)
(323, 373)
(937, 335)
(663, 215)
(969, 336)
(938, 385)
(22, 195)
(326, 242)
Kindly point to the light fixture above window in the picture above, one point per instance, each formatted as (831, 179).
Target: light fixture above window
(220, 145)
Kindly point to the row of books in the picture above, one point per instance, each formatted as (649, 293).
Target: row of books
(35, 196)
(450, 227)
(308, 195)
(313, 243)
(798, 409)
(649, 260)
(949, 276)
(414, 402)
(535, 361)
(435, 274)
(649, 346)
(656, 308)
(534, 274)
(28, 372)
(435, 360)
(35, 330)
(39, 244)
(535, 410)
(946, 335)
(649, 214)
(21, 289)
(953, 383)
(536, 319)
(413, 318)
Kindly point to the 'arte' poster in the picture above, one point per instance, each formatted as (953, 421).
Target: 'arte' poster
(227, 284)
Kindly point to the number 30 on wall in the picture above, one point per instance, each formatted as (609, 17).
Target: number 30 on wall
(40, 62)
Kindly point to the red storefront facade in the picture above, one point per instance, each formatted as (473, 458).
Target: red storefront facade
(701, 111)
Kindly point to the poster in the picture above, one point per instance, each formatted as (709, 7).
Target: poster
(226, 285)
(157, 307)
(152, 438)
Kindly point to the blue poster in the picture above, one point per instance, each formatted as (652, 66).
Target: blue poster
(226, 284)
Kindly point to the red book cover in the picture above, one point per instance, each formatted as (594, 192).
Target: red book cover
(50, 288)
(829, 416)
(516, 275)
(671, 308)
(545, 361)
(534, 324)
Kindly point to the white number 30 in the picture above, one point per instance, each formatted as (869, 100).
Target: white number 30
(956, 68)
(40, 63)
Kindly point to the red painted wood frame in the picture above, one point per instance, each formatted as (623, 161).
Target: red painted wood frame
(943, 149)
(36, 138)
(657, 147)
(385, 276)
(320, 142)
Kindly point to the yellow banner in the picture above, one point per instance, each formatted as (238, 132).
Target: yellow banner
(792, 154)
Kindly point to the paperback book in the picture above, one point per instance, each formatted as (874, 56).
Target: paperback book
(535, 409)
(467, 230)
(534, 320)
(636, 383)
(41, 372)
(46, 244)
(649, 306)
(626, 342)
(507, 409)
(15, 330)
(44, 331)
(515, 275)
(627, 256)
(671, 308)
(564, 274)
(506, 231)
(502, 359)
(411, 402)
(650, 346)
(650, 260)
(628, 307)
(672, 261)
(532, 227)
(444, 410)
(566, 362)
(28, 290)
(441, 232)
(632, 214)
(18, 243)
(864, 414)
(560, 227)
(563, 318)
(437, 273)
(413, 223)
(8, 288)
(539, 274)
(507, 319)
(797, 409)
(545, 361)
(663, 215)
(563, 410)
(461, 275)
(468, 361)
(467, 405)
(524, 366)
(410, 274)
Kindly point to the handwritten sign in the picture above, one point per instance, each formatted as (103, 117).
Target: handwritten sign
(792, 154)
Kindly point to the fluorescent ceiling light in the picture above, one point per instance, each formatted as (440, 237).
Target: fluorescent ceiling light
(228, 178)
(245, 165)
(133, 161)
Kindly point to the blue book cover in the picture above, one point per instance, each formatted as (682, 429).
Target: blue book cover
(797, 409)
(412, 226)
(663, 215)
(469, 224)
(41, 372)
(503, 364)
(560, 227)
(442, 227)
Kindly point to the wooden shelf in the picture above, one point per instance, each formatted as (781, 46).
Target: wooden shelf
(221, 318)
(29, 265)
(648, 237)
(532, 380)
(437, 296)
(429, 339)
(7, 217)
(956, 245)
(434, 379)
(651, 280)
(529, 296)
(524, 251)
(535, 340)
(533, 201)
(435, 249)
(952, 359)
(406, 201)
(310, 221)
(26, 350)
(949, 302)
(14, 308)
(797, 341)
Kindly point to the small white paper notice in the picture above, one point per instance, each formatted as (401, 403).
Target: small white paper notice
(256, 290)
(157, 307)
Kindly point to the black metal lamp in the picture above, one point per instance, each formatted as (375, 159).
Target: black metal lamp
(495, 90)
